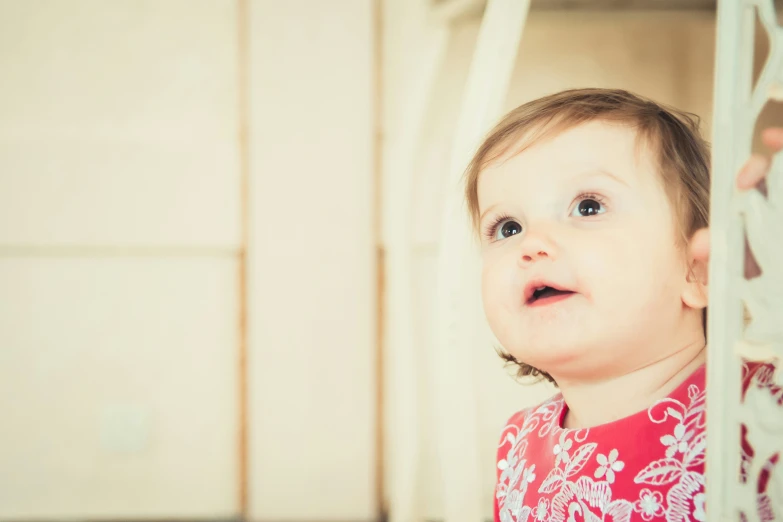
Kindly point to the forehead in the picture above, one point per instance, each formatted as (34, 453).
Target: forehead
(591, 146)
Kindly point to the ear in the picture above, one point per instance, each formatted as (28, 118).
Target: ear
(694, 291)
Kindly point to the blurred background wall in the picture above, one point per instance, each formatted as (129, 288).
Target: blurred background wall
(120, 229)
(129, 202)
(191, 249)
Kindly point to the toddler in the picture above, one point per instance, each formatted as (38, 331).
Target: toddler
(590, 206)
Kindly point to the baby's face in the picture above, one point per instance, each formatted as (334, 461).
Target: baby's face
(582, 268)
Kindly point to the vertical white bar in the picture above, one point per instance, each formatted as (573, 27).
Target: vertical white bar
(731, 144)
(401, 355)
(457, 317)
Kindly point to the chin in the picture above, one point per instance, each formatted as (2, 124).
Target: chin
(550, 354)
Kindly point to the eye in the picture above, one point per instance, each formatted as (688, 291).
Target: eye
(506, 228)
(587, 206)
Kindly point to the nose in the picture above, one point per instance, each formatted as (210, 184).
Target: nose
(530, 257)
(535, 247)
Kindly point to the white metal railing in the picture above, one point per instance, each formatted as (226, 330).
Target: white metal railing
(734, 217)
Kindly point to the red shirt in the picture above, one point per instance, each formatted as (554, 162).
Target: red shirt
(649, 466)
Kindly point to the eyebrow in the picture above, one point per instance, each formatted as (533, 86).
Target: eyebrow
(487, 211)
(583, 174)
(601, 173)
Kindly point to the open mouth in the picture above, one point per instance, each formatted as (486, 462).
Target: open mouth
(547, 295)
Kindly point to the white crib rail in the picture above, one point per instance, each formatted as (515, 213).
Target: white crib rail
(735, 216)
(458, 275)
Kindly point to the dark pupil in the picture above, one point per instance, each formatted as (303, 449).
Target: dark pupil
(510, 228)
(589, 207)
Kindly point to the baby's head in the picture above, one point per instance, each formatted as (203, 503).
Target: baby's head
(584, 202)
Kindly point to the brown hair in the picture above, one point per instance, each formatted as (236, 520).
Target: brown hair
(682, 154)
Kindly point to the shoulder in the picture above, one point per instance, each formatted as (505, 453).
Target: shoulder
(543, 417)
(528, 436)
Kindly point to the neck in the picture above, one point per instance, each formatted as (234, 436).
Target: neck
(592, 403)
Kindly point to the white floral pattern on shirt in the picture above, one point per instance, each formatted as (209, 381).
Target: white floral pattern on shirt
(650, 504)
(682, 465)
(608, 465)
(579, 485)
(647, 467)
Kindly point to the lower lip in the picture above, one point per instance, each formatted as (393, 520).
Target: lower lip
(544, 301)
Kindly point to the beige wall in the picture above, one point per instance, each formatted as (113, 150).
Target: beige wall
(313, 316)
(119, 224)
(120, 234)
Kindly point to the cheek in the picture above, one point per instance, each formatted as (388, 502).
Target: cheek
(499, 280)
(497, 295)
(489, 285)
(604, 265)
(637, 272)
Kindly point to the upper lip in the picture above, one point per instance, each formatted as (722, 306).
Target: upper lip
(535, 284)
